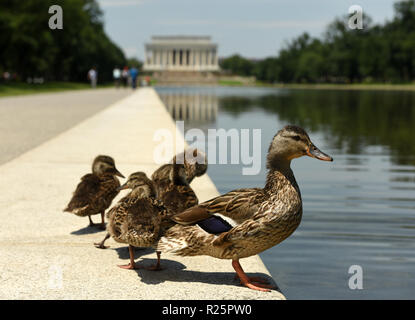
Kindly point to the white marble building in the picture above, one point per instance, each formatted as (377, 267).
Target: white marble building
(181, 53)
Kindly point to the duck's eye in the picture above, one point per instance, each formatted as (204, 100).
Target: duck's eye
(296, 138)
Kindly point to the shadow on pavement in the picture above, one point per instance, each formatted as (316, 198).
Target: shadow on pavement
(175, 271)
(123, 252)
(86, 230)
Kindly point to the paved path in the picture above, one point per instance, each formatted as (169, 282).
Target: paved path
(27, 121)
(48, 254)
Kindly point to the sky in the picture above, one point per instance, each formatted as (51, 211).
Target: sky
(252, 28)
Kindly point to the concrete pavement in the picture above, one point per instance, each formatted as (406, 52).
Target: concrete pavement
(48, 254)
(27, 121)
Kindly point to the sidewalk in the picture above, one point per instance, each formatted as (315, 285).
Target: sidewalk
(48, 254)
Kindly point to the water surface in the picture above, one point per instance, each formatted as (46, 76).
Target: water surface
(358, 210)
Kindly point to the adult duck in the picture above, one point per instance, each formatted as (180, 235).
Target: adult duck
(245, 222)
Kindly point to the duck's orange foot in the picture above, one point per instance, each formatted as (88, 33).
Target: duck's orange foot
(129, 266)
(257, 286)
(254, 279)
(254, 283)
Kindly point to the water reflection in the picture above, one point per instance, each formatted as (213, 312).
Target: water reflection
(360, 209)
(350, 120)
(191, 107)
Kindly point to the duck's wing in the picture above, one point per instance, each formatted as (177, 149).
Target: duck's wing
(161, 178)
(108, 190)
(237, 205)
(122, 204)
(143, 223)
(86, 189)
(179, 198)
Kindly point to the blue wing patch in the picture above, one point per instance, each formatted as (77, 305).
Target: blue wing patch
(215, 225)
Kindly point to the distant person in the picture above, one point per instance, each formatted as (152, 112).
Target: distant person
(116, 74)
(133, 75)
(6, 76)
(125, 75)
(93, 77)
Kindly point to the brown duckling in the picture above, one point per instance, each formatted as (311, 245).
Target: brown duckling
(245, 222)
(172, 181)
(138, 218)
(95, 192)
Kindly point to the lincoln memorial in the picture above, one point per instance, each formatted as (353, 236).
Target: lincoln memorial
(181, 53)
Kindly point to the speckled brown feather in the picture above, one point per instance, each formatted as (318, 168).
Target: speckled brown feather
(238, 205)
(278, 214)
(138, 217)
(93, 194)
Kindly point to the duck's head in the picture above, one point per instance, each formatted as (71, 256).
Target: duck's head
(140, 184)
(105, 165)
(188, 165)
(292, 142)
(196, 164)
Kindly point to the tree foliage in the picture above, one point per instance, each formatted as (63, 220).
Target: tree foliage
(30, 48)
(377, 53)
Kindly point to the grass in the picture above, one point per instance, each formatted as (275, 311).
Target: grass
(21, 88)
(230, 83)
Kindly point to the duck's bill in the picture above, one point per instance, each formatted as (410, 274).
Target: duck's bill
(315, 152)
(117, 173)
(123, 187)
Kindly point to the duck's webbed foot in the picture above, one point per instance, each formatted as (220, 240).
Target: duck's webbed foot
(255, 283)
(129, 266)
(100, 245)
(254, 279)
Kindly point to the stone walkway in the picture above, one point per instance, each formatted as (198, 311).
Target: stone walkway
(48, 254)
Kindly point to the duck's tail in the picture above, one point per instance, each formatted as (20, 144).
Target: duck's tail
(185, 241)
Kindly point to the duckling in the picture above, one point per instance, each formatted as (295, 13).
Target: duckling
(138, 218)
(172, 181)
(95, 192)
(245, 222)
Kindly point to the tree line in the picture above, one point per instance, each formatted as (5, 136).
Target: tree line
(29, 48)
(377, 53)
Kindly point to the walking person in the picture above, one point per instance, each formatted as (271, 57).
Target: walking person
(125, 75)
(93, 77)
(116, 74)
(133, 75)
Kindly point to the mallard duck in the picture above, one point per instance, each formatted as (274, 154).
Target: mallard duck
(137, 218)
(95, 192)
(245, 222)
